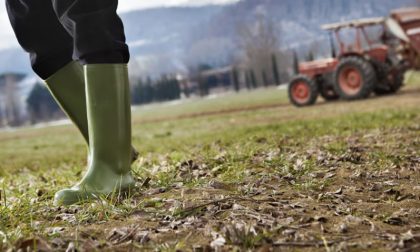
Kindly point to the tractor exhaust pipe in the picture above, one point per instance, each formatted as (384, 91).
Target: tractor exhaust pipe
(333, 52)
(295, 63)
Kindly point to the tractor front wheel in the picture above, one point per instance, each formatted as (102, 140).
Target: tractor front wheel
(303, 91)
(355, 78)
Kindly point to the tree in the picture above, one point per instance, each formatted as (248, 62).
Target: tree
(310, 56)
(203, 83)
(313, 51)
(136, 92)
(148, 91)
(166, 88)
(174, 88)
(253, 79)
(259, 42)
(265, 79)
(276, 74)
(235, 76)
(248, 82)
(10, 105)
(41, 105)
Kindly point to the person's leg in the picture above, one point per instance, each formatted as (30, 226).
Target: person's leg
(100, 45)
(50, 47)
(41, 35)
(97, 30)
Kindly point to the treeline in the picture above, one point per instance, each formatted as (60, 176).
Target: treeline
(241, 76)
(147, 91)
(42, 106)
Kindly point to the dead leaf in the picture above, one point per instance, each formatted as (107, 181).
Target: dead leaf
(54, 230)
(329, 175)
(218, 242)
(350, 219)
(219, 185)
(320, 219)
(394, 221)
(343, 228)
(288, 232)
(71, 247)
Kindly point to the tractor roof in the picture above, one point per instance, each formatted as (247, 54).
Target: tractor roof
(354, 23)
(406, 15)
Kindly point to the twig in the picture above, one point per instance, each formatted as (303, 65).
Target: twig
(313, 244)
(127, 236)
(191, 209)
(326, 245)
(146, 182)
(412, 248)
(256, 217)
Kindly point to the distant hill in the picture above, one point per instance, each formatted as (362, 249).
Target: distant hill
(162, 30)
(168, 39)
(300, 20)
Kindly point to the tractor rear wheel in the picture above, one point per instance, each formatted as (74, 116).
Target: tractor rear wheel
(392, 78)
(355, 78)
(397, 80)
(302, 91)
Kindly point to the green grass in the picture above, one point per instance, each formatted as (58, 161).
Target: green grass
(247, 137)
(219, 102)
(412, 78)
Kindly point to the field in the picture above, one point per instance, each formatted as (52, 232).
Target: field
(236, 172)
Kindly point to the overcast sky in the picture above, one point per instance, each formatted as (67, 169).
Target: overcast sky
(127, 5)
(7, 38)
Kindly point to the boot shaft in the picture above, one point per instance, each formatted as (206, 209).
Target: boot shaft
(109, 114)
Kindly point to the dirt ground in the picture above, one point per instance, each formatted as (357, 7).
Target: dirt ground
(356, 209)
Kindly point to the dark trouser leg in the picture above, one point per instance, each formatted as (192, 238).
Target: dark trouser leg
(40, 34)
(51, 47)
(97, 30)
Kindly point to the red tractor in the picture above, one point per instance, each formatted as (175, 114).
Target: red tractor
(364, 66)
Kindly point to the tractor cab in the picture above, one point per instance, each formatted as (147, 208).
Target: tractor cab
(362, 42)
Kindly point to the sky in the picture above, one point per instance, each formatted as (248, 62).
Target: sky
(7, 38)
(127, 5)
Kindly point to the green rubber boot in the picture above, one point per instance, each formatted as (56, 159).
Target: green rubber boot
(67, 86)
(109, 120)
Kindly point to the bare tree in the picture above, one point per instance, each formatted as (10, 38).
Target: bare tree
(11, 100)
(2, 106)
(214, 51)
(259, 42)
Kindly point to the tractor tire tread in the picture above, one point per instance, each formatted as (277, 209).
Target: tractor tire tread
(313, 90)
(368, 76)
